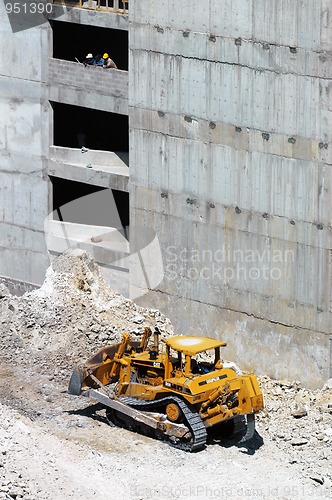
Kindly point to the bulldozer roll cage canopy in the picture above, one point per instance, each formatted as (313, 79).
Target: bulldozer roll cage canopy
(190, 346)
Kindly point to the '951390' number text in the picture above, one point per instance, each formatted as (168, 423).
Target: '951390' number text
(28, 8)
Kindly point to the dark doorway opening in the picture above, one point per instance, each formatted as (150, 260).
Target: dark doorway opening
(122, 204)
(82, 203)
(75, 126)
(71, 40)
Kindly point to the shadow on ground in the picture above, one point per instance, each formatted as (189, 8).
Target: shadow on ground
(92, 411)
(230, 434)
(226, 435)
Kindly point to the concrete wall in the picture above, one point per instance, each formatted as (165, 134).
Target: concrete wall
(88, 17)
(231, 119)
(23, 143)
(72, 83)
(97, 168)
(29, 79)
(17, 288)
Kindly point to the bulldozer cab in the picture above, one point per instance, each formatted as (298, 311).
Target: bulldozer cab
(182, 356)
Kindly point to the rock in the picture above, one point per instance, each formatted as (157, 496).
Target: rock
(96, 239)
(286, 384)
(95, 328)
(328, 432)
(298, 441)
(103, 336)
(277, 391)
(317, 479)
(300, 412)
(13, 307)
(4, 292)
(137, 319)
(327, 408)
(327, 385)
(16, 492)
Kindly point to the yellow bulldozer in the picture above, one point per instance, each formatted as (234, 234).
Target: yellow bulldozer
(170, 389)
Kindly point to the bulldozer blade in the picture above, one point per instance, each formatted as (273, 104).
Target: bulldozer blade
(75, 383)
(250, 428)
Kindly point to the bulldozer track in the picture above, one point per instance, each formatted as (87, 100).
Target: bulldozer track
(191, 419)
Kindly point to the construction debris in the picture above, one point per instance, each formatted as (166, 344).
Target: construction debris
(44, 333)
(305, 438)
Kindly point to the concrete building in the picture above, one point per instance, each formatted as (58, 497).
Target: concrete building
(230, 120)
(49, 103)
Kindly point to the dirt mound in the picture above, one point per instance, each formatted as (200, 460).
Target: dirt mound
(300, 422)
(72, 315)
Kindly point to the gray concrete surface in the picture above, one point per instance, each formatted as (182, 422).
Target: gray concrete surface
(72, 83)
(23, 144)
(29, 79)
(230, 164)
(230, 107)
(15, 287)
(90, 17)
(97, 168)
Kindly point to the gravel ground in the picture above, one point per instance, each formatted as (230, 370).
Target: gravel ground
(54, 445)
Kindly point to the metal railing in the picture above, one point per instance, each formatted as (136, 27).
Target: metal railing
(119, 6)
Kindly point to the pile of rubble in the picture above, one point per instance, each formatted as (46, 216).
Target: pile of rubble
(75, 313)
(300, 421)
(70, 316)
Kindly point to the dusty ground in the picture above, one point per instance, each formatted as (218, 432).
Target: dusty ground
(57, 446)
